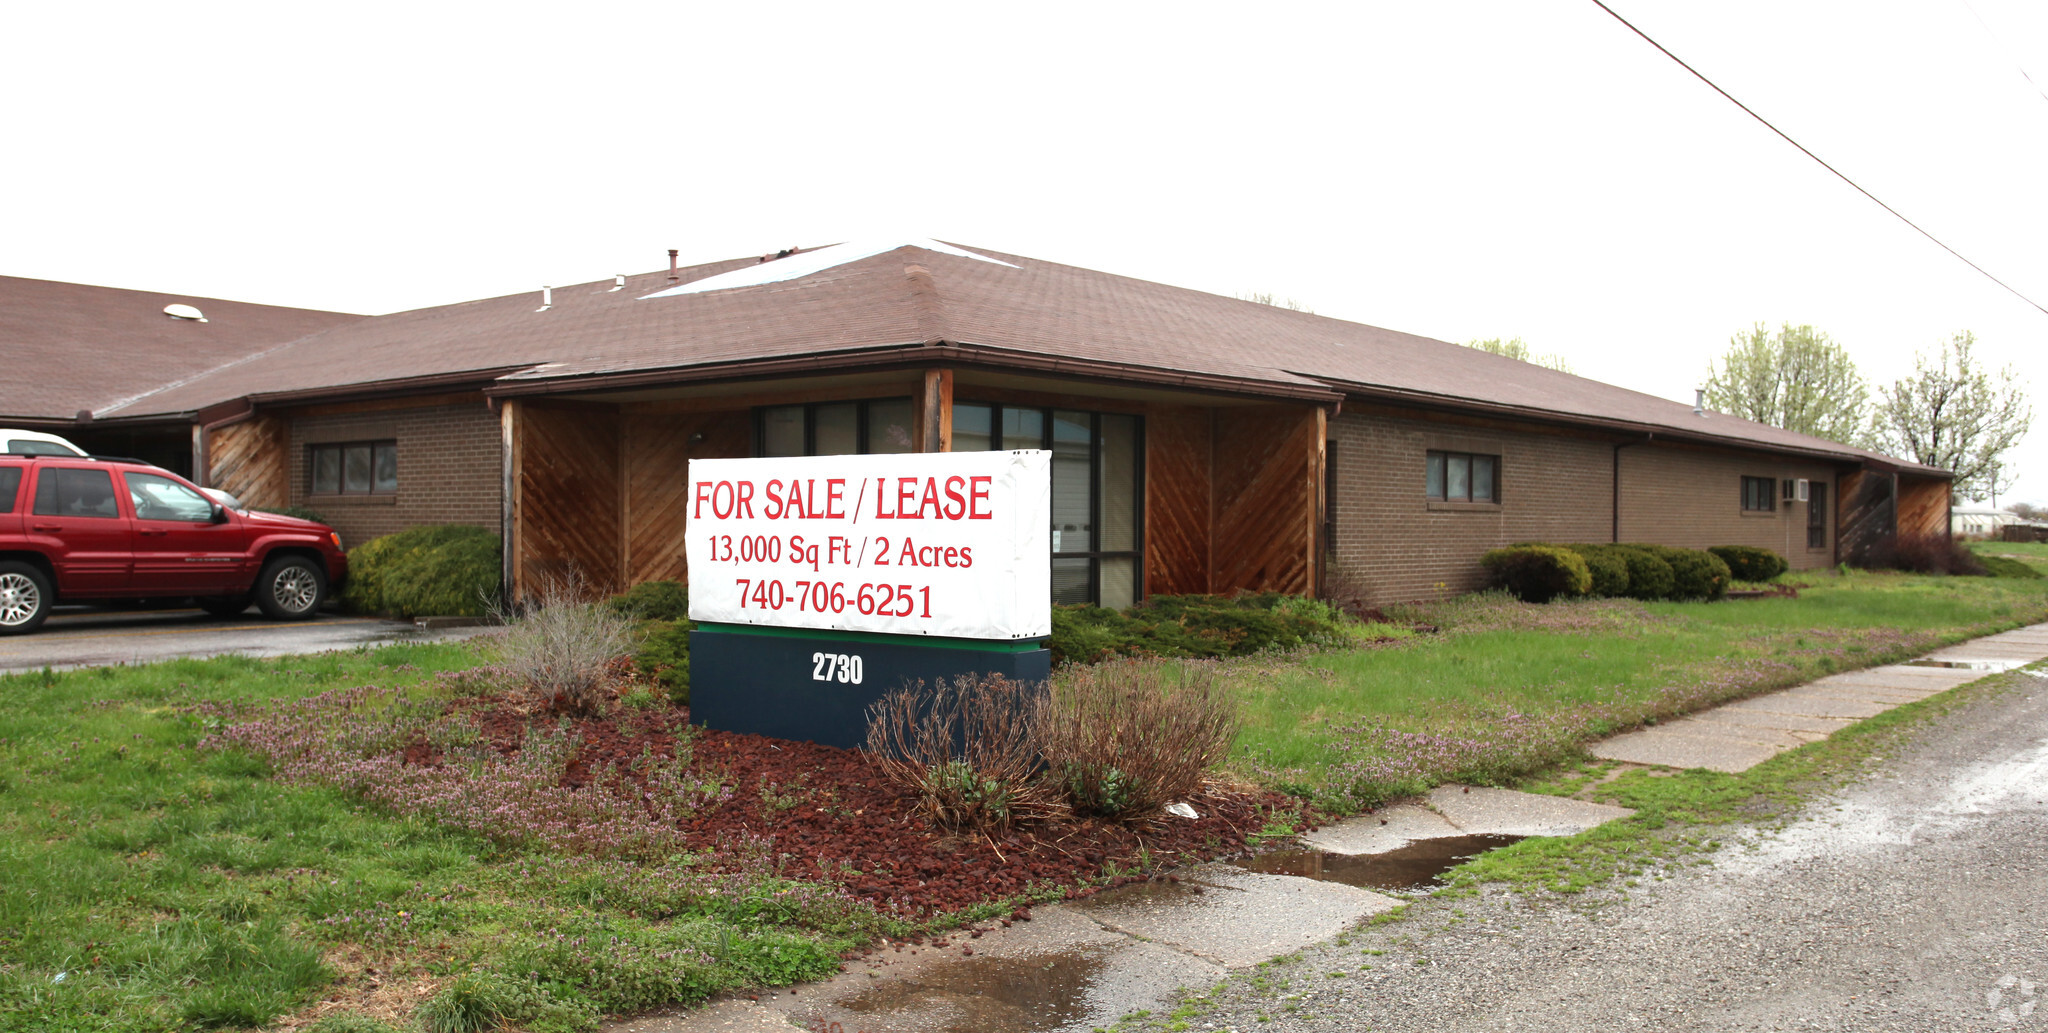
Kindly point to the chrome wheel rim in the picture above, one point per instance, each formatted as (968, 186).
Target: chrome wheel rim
(295, 589)
(20, 599)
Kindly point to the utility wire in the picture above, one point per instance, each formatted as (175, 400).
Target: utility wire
(1817, 158)
(2014, 58)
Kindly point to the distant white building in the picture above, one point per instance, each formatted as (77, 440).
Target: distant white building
(1980, 521)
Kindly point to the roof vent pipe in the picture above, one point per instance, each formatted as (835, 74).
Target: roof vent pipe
(1699, 401)
(672, 274)
(547, 299)
(618, 283)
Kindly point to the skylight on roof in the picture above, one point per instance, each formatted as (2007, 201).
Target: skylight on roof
(798, 266)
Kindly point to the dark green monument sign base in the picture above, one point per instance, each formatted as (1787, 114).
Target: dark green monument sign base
(797, 683)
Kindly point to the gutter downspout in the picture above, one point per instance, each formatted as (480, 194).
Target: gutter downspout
(1615, 535)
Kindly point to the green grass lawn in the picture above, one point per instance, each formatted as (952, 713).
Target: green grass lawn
(146, 884)
(1508, 687)
(2034, 553)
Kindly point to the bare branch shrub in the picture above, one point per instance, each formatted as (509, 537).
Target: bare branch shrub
(968, 748)
(559, 650)
(1125, 739)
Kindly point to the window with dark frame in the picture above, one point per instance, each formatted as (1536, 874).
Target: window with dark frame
(1759, 494)
(352, 468)
(870, 427)
(1462, 477)
(1817, 515)
(1097, 497)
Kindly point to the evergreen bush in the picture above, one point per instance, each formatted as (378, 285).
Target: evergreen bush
(1610, 573)
(1538, 573)
(1649, 577)
(654, 601)
(1696, 574)
(1199, 626)
(444, 571)
(1750, 563)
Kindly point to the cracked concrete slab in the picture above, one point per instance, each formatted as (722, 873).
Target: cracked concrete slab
(1481, 811)
(1388, 828)
(1811, 705)
(1234, 917)
(1662, 749)
(1765, 719)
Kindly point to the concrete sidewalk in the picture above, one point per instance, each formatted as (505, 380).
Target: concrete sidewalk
(1741, 735)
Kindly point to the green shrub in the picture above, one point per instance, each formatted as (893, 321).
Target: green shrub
(1538, 573)
(664, 655)
(1200, 626)
(654, 601)
(450, 570)
(1610, 573)
(2000, 566)
(1695, 573)
(1749, 563)
(302, 513)
(1649, 577)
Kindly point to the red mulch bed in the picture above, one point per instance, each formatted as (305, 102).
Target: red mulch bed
(839, 809)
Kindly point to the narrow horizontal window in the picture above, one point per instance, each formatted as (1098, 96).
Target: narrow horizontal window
(352, 468)
(1462, 477)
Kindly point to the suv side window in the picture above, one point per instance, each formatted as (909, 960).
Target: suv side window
(75, 493)
(10, 486)
(160, 498)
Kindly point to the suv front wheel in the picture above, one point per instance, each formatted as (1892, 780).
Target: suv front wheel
(24, 598)
(290, 588)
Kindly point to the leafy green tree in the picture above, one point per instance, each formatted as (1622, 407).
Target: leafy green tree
(1796, 379)
(1955, 414)
(1518, 349)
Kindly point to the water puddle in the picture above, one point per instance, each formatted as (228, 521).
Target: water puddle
(1030, 994)
(1993, 666)
(1412, 867)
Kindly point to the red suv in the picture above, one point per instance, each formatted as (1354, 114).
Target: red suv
(82, 529)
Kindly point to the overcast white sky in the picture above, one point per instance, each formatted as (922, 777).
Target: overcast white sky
(1458, 170)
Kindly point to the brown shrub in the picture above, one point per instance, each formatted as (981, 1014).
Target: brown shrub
(968, 748)
(1922, 554)
(1125, 739)
(558, 652)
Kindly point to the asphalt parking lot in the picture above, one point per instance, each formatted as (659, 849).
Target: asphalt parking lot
(84, 637)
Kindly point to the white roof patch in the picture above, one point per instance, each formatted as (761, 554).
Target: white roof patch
(798, 266)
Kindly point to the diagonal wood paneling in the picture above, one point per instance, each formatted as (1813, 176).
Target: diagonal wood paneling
(1267, 466)
(1177, 499)
(657, 450)
(1869, 513)
(1923, 506)
(568, 500)
(252, 461)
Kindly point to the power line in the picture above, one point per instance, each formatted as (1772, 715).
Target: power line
(2017, 66)
(1817, 159)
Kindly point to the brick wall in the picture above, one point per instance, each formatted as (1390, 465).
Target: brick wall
(1397, 545)
(1693, 497)
(449, 469)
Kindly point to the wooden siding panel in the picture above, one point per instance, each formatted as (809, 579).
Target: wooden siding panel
(1870, 512)
(250, 460)
(1923, 506)
(1265, 487)
(568, 504)
(1177, 499)
(657, 451)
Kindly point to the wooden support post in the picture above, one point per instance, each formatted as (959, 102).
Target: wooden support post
(936, 420)
(509, 538)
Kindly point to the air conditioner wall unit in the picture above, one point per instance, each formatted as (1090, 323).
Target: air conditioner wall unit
(1803, 489)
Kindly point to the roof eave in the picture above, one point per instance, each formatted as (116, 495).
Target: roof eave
(911, 355)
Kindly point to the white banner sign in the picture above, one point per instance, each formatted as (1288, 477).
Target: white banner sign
(936, 543)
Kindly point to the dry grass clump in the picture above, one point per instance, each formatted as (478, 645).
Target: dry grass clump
(559, 651)
(969, 749)
(1125, 739)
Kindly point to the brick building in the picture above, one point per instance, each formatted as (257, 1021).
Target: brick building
(1199, 443)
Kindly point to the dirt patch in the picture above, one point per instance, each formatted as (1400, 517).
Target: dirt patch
(823, 814)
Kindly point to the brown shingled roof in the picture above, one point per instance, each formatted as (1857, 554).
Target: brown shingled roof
(73, 346)
(914, 304)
